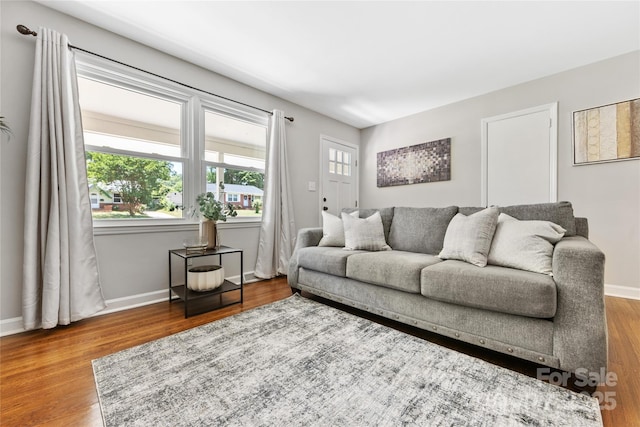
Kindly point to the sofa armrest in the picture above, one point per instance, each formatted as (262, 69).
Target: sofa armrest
(580, 328)
(306, 237)
(582, 227)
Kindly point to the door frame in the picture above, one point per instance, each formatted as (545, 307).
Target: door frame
(321, 170)
(552, 109)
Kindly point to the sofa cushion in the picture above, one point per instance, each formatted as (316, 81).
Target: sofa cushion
(560, 213)
(325, 259)
(333, 229)
(392, 269)
(420, 229)
(501, 289)
(526, 245)
(364, 233)
(468, 238)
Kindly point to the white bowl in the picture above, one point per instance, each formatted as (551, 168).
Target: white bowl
(205, 277)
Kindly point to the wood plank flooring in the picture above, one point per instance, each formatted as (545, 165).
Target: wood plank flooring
(46, 377)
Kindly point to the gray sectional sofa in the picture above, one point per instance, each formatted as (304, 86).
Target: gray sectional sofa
(555, 320)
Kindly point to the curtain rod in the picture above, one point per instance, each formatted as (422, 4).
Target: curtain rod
(27, 32)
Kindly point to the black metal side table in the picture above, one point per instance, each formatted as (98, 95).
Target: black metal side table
(206, 300)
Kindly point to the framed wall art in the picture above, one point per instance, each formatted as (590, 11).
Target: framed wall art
(608, 133)
(426, 162)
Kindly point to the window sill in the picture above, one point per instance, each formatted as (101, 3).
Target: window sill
(113, 227)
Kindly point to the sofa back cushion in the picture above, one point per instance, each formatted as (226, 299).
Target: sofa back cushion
(560, 213)
(420, 230)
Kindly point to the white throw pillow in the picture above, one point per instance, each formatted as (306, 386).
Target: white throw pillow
(468, 238)
(333, 230)
(364, 233)
(525, 245)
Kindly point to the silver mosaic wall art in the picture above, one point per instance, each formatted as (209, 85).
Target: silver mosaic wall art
(427, 162)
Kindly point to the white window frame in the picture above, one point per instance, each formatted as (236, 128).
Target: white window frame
(191, 136)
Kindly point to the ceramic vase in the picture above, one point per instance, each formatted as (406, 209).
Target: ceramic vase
(209, 231)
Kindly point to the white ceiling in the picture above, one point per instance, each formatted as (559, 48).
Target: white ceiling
(367, 62)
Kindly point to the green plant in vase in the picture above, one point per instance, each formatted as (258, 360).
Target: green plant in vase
(212, 210)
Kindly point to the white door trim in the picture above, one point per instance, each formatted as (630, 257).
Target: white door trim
(356, 166)
(552, 109)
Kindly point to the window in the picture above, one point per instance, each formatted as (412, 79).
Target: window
(134, 149)
(153, 145)
(339, 162)
(235, 157)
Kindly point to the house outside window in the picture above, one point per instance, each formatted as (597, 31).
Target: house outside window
(153, 145)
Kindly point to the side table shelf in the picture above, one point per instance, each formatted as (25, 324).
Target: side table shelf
(205, 300)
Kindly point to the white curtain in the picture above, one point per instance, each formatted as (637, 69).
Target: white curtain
(277, 232)
(60, 283)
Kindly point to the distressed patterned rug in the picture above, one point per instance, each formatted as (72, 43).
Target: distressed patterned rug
(297, 362)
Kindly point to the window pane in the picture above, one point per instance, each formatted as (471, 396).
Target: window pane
(123, 119)
(240, 148)
(339, 168)
(347, 159)
(243, 189)
(231, 136)
(332, 167)
(346, 170)
(332, 153)
(134, 187)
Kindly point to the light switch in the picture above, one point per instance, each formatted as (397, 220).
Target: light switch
(312, 186)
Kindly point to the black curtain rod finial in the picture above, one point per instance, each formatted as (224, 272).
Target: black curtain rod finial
(26, 31)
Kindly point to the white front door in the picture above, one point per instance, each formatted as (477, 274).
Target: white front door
(339, 174)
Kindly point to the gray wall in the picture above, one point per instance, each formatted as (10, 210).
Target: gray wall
(130, 264)
(608, 194)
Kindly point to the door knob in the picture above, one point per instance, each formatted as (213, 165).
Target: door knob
(324, 199)
(324, 208)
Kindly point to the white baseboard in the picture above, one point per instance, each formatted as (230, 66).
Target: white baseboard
(11, 326)
(14, 325)
(622, 291)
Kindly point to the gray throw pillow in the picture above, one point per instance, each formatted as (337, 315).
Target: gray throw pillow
(364, 233)
(468, 238)
(525, 245)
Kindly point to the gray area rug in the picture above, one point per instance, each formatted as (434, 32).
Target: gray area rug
(297, 362)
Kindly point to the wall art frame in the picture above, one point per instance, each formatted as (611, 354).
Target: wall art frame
(608, 133)
(415, 164)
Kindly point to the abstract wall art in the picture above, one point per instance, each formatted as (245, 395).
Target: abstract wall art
(426, 162)
(608, 133)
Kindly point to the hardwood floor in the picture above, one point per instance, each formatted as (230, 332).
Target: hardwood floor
(46, 377)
